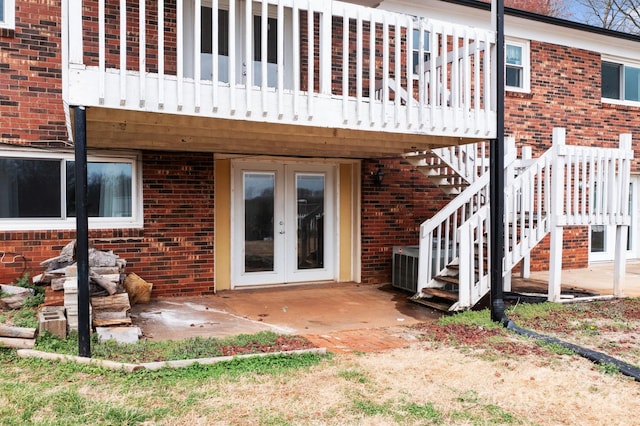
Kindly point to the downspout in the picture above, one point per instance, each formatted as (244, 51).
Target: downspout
(496, 197)
(496, 167)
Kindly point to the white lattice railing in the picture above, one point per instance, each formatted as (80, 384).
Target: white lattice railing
(566, 186)
(320, 63)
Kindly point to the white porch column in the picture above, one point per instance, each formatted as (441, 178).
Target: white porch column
(557, 197)
(622, 231)
(619, 265)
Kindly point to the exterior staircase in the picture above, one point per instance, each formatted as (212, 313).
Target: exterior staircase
(453, 168)
(565, 186)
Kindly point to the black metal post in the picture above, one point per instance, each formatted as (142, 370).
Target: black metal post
(82, 231)
(496, 161)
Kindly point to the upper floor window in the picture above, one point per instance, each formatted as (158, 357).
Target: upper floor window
(7, 14)
(37, 191)
(517, 66)
(415, 50)
(620, 81)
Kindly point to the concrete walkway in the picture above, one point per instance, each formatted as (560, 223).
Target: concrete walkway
(598, 278)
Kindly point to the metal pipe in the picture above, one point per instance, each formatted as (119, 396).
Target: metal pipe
(82, 231)
(496, 160)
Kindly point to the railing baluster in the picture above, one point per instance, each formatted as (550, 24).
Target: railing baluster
(281, 59)
(123, 52)
(397, 72)
(180, 53)
(372, 70)
(264, 59)
(160, 54)
(215, 75)
(385, 70)
(345, 69)
(232, 57)
(409, 71)
(248, 56)
(433, 77)
(296, 60)
(359, 67)
(197, 58)
(101, 51)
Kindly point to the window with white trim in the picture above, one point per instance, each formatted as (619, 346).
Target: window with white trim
(37, 191)
(517, 66)
(415, 50)
(7, 14)
(620, 81)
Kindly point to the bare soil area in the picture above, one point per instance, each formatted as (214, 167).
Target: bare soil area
(462, 373)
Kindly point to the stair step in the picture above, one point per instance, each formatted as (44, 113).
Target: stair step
(433, 303)
(453, 280)
(441, 293)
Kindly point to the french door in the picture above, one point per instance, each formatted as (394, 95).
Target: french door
(602, 237)
(283, 223)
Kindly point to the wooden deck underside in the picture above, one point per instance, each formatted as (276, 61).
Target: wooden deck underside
(121, 129)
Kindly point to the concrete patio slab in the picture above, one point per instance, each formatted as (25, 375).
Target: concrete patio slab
(312, 309)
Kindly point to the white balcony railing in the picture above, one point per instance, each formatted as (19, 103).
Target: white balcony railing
(319, 63)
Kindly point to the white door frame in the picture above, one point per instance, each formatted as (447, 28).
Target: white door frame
(285, 233)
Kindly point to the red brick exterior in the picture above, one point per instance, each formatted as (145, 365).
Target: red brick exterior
(174, 250)
(392, 213)
(566, 92)
(30, 76)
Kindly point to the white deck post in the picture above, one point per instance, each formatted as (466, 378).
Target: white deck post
(525, 271)
(557, 196)
(511, 154)
(619, 265)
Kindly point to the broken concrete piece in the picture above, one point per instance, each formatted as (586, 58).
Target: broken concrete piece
(119, 334)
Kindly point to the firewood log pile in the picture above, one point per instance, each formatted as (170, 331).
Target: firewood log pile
(111, 290)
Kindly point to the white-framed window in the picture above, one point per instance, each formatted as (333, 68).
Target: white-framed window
(621, 81)
(37, 190)
(415, 51)
(517, 73)
(8, 14)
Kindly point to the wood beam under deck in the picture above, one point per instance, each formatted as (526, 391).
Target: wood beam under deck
(121, 129)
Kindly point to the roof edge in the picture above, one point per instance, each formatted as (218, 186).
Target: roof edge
(548, 20)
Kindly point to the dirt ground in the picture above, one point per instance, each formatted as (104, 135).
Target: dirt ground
(462, 374)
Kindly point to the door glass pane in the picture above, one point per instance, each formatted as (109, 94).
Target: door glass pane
(259, 191)
(598, 237)
(310, 201)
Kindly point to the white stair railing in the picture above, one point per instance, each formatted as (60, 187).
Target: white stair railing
(470, 161)
(565, 186)
(439, 243)
(474, 264)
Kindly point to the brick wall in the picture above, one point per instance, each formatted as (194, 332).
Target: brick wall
(175, 248)
(30, 76)
(566, 92)
(392, 213)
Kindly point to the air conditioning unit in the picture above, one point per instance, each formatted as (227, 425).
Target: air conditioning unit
(404, 268)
